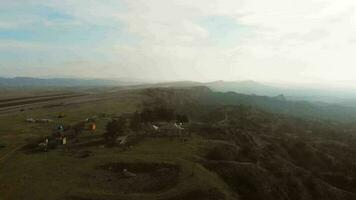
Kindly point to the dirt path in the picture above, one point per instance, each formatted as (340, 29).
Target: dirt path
(9, 153)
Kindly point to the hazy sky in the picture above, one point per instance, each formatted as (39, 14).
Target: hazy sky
(274, 40)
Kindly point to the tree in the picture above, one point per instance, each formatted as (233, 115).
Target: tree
(164, 113)
(79, 127)
(157, 113)
(147, 115)
(182, 118)
(114, 129)
(135, 122)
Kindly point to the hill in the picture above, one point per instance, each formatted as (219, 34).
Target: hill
(227, 148)
(245, 87)
(295, 93)
(277, 104)
(59, 82)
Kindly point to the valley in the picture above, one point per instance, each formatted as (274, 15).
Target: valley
(228, 148)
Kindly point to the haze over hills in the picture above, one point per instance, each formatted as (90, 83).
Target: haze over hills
(323, 94)
(277, 104)
(59, 82)
(293, 93)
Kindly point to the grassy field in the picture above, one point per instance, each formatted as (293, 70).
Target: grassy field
(62, 174)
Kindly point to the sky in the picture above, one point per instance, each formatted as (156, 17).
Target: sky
(304, 41)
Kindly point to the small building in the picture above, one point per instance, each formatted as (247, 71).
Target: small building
(30, 120)
(122, 140)
(155, 127)
(128, 174)
(44, 121)
(179, 126)
(170, 129)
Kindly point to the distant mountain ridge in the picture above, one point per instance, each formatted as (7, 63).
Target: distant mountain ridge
(245, 87)
(248, 87)
(282, 92)
(278, 104)
(295, 93)
(59, 82)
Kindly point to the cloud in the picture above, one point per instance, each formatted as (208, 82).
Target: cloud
(284, 40)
